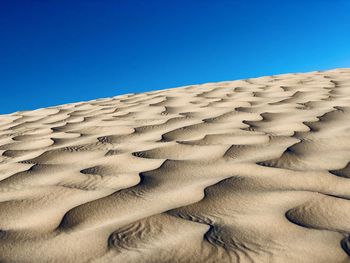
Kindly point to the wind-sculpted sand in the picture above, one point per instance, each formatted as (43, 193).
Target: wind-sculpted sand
(254, 170)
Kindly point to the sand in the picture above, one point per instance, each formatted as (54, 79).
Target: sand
(253, 170)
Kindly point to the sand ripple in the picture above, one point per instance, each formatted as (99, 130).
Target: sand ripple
(253, 170)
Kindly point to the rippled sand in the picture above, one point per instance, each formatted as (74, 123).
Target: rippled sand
(253, 170)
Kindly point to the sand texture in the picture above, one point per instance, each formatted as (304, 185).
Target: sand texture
(253, 170)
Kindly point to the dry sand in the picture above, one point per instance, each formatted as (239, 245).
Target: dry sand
(253, 170)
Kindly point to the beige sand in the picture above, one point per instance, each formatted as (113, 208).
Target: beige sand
(254, 170)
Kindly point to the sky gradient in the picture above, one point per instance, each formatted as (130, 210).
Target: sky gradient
(56, 52)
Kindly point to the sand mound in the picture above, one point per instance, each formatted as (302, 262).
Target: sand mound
(253, 170)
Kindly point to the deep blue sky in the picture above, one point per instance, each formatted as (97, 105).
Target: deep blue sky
(55, 52)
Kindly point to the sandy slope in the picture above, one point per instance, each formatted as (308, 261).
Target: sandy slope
(253, 170)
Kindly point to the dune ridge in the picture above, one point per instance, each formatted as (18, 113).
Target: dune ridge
(253, 170)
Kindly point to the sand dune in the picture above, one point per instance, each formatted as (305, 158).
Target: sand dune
(254, 170)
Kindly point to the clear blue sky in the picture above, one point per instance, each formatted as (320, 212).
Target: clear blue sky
(55, 52)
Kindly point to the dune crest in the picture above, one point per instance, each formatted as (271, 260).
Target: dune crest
(253, 170)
